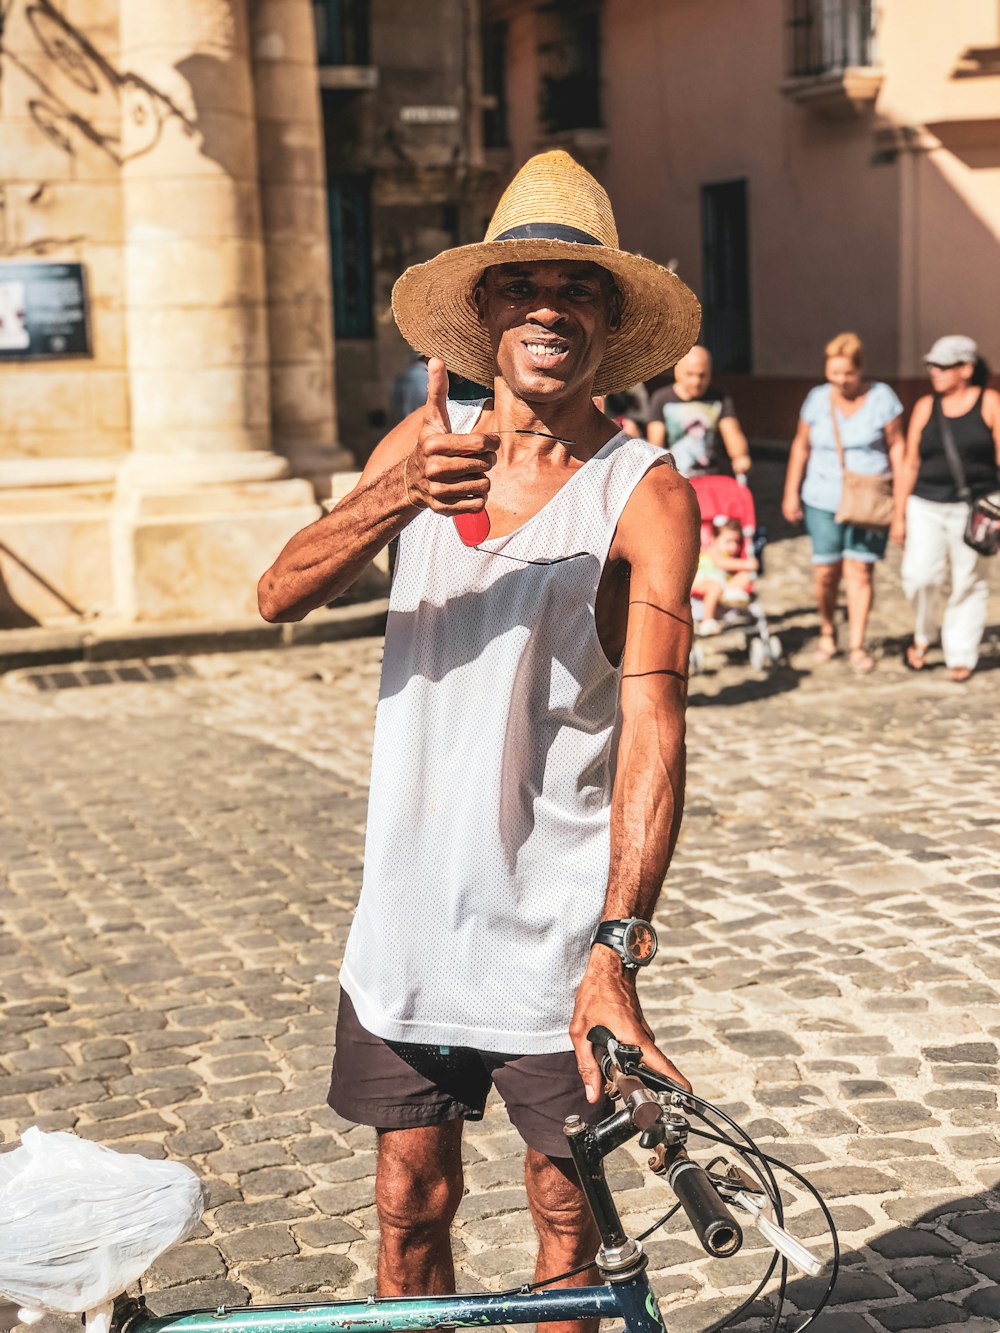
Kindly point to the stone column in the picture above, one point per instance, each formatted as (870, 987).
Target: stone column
(203, 503)
(296, 240)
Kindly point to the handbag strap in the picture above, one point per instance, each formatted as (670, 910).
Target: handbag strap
(838, 443)
(951, 451)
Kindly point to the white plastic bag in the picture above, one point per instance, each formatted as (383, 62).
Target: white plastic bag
(79, 1222)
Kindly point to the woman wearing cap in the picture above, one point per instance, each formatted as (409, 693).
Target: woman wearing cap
(931, 515)
(868, 421)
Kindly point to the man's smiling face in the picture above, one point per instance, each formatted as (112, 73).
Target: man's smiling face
(548, 323)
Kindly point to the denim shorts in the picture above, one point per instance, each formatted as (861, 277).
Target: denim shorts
(833, 541)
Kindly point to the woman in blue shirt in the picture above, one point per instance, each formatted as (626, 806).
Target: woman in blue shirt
(869, 416)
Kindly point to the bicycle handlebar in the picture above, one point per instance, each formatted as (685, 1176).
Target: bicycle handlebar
(633, 1092)
(716, 1228)
(714, 1225)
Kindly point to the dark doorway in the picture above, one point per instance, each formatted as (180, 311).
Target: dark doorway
(725, 245)
(569, 53)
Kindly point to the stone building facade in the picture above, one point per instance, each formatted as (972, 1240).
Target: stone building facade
(240, 182)
(808, 166)
(409, 173)
(175, 152)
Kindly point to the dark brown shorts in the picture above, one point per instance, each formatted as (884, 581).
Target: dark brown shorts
(396, 1085)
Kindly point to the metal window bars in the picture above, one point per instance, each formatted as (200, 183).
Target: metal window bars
(829, 36)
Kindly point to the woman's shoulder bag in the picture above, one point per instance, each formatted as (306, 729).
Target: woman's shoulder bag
(865, 501)
(982, 527)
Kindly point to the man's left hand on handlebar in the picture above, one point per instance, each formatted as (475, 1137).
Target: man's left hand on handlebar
(607, 997)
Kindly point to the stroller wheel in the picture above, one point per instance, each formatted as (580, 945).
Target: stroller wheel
(775, 647)
(759, 656)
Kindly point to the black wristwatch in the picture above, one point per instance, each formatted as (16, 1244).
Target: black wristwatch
(634, 941)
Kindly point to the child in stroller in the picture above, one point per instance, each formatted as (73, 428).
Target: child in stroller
(723, 575)
(727, 511)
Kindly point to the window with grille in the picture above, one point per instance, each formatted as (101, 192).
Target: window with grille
(829, 36)
(349, 210)
(342, 28)
(725, 275)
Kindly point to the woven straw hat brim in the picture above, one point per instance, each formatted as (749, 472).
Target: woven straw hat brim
(436, 313)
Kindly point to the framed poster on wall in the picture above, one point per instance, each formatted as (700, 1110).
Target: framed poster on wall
(43, 310)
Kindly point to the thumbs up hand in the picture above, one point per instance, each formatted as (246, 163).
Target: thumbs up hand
(445, 472)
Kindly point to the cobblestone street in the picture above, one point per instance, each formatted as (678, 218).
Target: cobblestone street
(182, 857)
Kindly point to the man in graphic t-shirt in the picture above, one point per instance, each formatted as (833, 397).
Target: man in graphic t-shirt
(697, 422)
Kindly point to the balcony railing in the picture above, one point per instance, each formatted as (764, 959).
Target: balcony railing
(829, 36)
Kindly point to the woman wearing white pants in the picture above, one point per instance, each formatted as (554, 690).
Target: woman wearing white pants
(930, 516)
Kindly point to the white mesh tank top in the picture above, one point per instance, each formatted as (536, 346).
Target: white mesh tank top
(488, 840)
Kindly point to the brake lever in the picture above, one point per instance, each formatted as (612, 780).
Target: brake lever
(783, 1241)
(627, 1060)
(619, 1067)
(733, 1180)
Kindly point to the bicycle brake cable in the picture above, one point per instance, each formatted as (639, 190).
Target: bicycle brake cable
(575, 1272)
(766, 1160)
(760, 1163)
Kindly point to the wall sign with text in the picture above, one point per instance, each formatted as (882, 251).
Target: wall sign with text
(43, 311)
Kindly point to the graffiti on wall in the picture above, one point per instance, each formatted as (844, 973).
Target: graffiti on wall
(77, 95)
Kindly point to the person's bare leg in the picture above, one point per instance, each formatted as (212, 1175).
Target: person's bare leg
(711, 597)
(418, 1187)
(826, 579)
(859, 584)
(567, 1235)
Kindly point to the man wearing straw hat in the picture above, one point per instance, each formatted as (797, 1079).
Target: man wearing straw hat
(528, 765)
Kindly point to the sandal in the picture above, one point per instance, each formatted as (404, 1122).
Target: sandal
(916, 656)
(826, 648)
(959, 674)
(861, 663)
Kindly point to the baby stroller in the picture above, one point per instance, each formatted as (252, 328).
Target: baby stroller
(728, 498)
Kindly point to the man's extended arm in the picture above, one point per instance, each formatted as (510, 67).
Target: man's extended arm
(658, 537)
(418, 465)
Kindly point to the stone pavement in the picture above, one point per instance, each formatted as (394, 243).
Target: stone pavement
(182, 850)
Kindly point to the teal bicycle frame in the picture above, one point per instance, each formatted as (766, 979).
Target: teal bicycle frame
(632, 1301)
(625, 1293)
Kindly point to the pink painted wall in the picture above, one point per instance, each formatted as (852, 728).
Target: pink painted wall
(900, 247)
(691, 102)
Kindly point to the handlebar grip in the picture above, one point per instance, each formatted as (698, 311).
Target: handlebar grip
(599, 1036)
(719, 1232)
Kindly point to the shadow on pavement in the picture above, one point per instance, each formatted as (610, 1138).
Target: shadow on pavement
(946, 1260)
(780, 680)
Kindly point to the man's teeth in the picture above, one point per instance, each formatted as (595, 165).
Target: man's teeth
(547, 349)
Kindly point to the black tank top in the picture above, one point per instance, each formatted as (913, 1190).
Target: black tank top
(974, 442)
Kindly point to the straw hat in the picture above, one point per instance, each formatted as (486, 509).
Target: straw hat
(552, 209)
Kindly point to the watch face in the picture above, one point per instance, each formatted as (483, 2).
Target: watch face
(640, 942)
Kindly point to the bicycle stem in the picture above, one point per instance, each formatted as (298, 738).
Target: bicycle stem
(590, 1144)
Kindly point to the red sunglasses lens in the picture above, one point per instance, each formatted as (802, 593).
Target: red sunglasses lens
(473, 528)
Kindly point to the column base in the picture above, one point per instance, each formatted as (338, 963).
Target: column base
(321, 465)
(184, 551)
